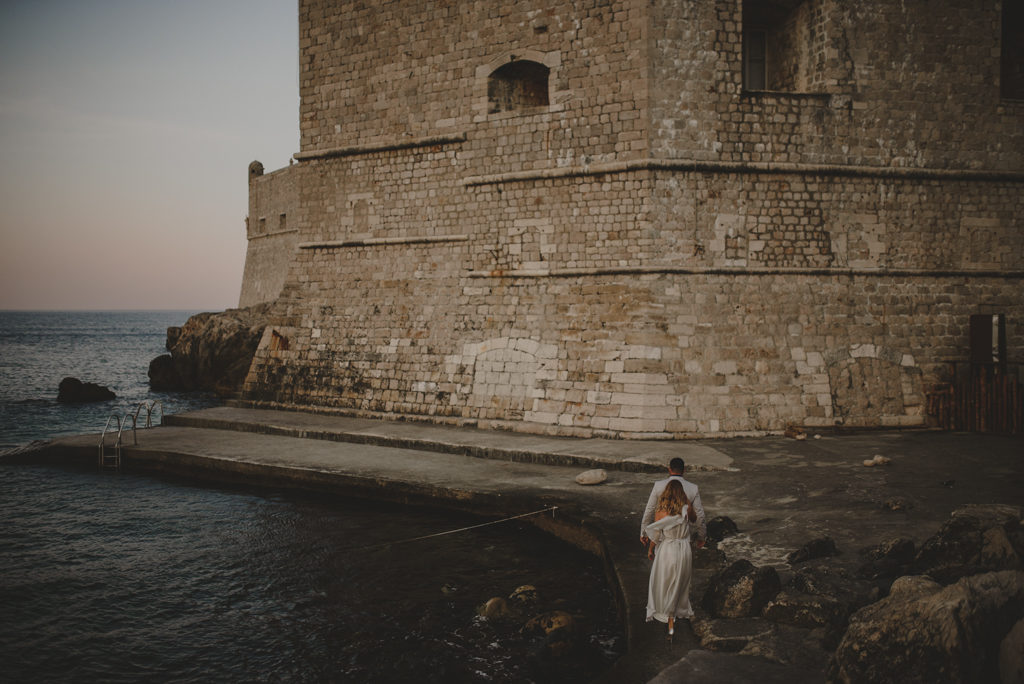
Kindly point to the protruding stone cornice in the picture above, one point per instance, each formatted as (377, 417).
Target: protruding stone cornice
(758, 168)
(402, 144)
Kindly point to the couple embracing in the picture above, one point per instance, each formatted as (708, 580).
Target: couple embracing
(673, 512)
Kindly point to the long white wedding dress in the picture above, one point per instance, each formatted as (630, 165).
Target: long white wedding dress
(668, 594)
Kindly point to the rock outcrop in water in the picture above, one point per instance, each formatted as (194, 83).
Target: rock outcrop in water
(211, 352)
(74, 391)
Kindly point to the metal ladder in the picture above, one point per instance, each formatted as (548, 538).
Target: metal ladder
(113, 460)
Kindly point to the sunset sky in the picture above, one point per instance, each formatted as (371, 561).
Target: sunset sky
(126, 129)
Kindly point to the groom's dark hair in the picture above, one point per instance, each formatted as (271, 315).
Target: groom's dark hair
(676, 465)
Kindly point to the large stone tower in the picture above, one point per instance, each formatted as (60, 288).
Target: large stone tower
(641, 218)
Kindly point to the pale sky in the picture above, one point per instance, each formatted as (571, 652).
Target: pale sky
(126, 131)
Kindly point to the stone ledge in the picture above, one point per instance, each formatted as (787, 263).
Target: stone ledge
(356, 150)
(733, 271)
(366, 242)
(273, 234)
(706, 166)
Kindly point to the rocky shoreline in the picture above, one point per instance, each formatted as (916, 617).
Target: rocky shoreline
(951, 610)
(210, 352)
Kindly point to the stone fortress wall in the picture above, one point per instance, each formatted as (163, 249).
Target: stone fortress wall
(271, 239)
(580, 218)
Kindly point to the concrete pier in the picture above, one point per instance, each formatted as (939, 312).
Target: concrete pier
(780, 492)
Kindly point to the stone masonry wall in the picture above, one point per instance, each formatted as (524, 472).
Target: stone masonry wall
(714, 343)
(654, 253)
(907, 84)
(271, 232)
(390, 70)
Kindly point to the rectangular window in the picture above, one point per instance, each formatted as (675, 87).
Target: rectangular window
(988, 339)
(282, 222)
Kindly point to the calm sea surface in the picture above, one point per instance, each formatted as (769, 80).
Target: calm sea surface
(119, 577)
(39, 349)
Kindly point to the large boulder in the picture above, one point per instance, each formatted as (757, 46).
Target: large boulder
(816, 548)
(820, 595)
(976, 538)
(890, 559)
(74, 391)
(212, 351)
(924, 632)
(740, 590)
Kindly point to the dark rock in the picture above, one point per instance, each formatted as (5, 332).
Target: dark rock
(721, 527)
(706, 666)
(556, 628)
(496, 607)
(708, 558)
(899, 549)
(821, 595)
(173, 335)
(163, 374)
(212, 351)
(757, 637)
(525, 595)
(890, 559)
(549, 622)
(74, 391)
(1011, 655)
(923, 632)
(740, 590)
(804, 610)
(976, 538)
(816, 548)
(730, 635)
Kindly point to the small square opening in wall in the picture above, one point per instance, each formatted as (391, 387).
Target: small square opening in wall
(988, 339)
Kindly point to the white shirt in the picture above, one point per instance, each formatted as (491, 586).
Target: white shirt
(692, 493)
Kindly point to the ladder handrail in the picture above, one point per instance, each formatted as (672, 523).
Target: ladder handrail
(150, 406)
(103, 435)
(135, 439)
(149, 412)
(122, 423)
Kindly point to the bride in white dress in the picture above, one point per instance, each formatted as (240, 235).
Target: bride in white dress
(668, 595)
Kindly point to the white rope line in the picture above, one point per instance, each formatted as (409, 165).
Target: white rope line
(473, 527)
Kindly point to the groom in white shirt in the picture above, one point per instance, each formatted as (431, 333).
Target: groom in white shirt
(675, 470)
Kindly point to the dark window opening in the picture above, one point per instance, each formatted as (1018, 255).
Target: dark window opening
(754, 60)
(988, 340)
(1011, 77)
(517, 85)
(782, 40)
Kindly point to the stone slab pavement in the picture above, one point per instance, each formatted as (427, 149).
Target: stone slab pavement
(780, 492)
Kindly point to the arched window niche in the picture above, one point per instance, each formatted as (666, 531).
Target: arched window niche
(518, 85)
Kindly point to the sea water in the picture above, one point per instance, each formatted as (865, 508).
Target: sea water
(110, 348)
(121, 577)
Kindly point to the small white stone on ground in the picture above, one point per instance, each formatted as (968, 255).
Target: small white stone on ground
(592, 477)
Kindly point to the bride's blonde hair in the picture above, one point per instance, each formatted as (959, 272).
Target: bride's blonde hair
(673, 498)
